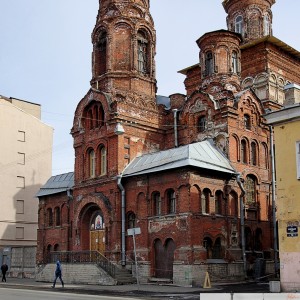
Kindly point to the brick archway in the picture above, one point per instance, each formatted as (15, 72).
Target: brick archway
(84, 223)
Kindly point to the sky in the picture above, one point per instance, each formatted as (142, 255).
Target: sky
(45, 52)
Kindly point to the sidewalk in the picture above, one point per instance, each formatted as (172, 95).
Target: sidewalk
(154, 290)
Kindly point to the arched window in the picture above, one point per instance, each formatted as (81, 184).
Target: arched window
(244, 152)
(142, 48)
(208, 245)
(253, 154)
(93, 116)
(235, 67)
(218, 202)
(206, 201)
(209, 63)
(239, 24)
(233, 204)
(202, 124)
(157, 204)
(57, 216)
(171, 198)
(250, 187)
(131, 220)
(103, 161)
(100, 59)
(56, 247)
(50, 217)
(267, 27)
(91, 155)
(247, 122)
(266, 156)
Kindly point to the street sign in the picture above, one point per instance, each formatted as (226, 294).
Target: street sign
(292, 231)
(134, 231)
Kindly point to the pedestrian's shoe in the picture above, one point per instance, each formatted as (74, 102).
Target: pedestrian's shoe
(53, 286)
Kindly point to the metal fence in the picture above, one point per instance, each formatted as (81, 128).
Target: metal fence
(74, 257)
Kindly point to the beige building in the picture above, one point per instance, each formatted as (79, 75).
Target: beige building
(286, 123)
(25, 164)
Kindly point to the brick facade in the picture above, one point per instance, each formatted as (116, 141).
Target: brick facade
(198, 218)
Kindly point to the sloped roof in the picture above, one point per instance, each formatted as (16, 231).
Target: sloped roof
(202, 155)
(57, 184)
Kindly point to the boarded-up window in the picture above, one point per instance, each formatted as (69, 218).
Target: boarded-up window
(21, 182)
(20, 207)
(21, 136)
(19, 232)
(21, 158)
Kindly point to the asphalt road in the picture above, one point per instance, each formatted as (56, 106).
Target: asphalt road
(17, 294)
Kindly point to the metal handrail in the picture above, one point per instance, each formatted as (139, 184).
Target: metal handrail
(74, 257)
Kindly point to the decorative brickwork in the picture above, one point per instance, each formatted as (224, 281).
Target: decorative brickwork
(188, 216)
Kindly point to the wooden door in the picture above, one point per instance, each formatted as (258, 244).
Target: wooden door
(97, 241)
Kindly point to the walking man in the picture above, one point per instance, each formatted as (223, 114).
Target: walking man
(58, 274)
(4, 269)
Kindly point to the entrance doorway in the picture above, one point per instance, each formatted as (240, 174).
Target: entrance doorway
(97, 233)
(164, 258)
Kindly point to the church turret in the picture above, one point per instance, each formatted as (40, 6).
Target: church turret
(220, 59)
(251, 18)
(124, 47)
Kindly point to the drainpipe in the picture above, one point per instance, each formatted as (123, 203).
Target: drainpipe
(238, 179)
(175, 127)
(273, 200)
(123, 260)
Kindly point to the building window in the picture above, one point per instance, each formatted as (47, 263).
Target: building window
(218, 202)
(244, 152)
(21, 182)
(267, 27)
(93, 116)
(50, 217)
(21, 158)
(209, 63)
(202, 124)
(250, 187)
(91, 156)
(57, 216)
(253, 154)
(100, 58)
(206, 201)
(142, 52)
(20, 207)
(21, 136)
(171, 201)
(131, 220)
(239, 24)
(157, 204)
(20, 233)
(103, 161)
(298, 158)
(247, 122)
(235, 62)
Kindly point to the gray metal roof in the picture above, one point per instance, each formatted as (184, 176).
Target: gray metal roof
(57, 184)
(202, 155)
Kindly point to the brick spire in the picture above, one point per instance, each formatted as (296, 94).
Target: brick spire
(124, 42)
(251, 18)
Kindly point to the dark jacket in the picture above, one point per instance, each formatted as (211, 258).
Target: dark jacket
(4, 268)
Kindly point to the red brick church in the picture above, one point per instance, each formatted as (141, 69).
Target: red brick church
(192, 171)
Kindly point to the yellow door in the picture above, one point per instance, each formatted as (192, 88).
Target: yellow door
(97, 241)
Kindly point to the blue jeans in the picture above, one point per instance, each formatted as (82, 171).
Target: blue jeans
(58, 275)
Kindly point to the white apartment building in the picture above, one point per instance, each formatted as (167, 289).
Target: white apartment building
(25, 165)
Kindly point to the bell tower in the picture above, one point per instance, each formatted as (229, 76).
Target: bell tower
(251, 18)
(124, 41)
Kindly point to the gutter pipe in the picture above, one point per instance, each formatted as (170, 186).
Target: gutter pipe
(242, 207)
(123, 255)
(273, 201)
(175, 127)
